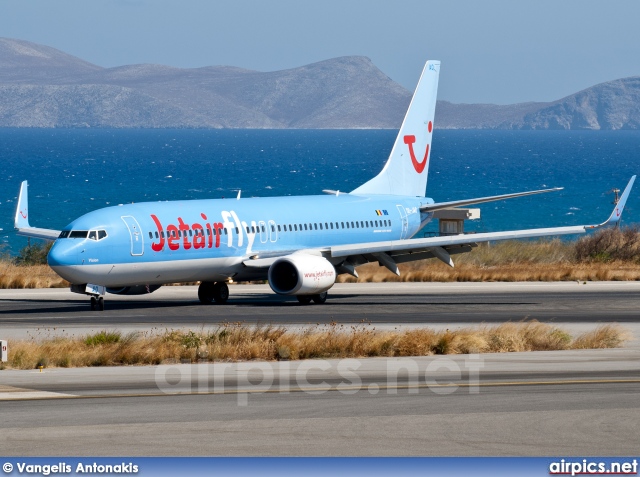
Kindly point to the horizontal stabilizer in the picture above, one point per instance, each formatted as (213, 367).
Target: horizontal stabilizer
(480, 200)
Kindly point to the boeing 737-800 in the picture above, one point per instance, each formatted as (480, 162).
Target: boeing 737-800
(299, 244)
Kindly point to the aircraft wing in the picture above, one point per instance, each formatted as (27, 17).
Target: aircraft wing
(21, 221)
(480, 200)
(392, 252)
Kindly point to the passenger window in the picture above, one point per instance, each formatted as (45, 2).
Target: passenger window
(305, 226)
(225, 232)
(151, 235)
(320, 225)
(331, 225)
(357, 225)
(279, 229)
(362, 224)
(342, 223)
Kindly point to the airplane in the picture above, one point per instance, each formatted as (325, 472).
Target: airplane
(299, 244)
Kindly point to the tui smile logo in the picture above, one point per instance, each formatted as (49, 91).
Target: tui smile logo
(409, 140)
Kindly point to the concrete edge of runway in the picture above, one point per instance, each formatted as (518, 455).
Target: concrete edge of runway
(605, 366)
(181, 292)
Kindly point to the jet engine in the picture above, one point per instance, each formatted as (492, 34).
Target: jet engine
(301, 274)
(133, 290)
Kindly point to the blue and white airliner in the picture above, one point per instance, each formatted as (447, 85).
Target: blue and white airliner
(299, 244)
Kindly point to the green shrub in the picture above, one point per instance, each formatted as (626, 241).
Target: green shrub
(102, 337)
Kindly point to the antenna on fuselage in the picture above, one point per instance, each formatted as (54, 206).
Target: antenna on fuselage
(239, 192)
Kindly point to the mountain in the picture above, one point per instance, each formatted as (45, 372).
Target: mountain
(44, 87)
(611, 105)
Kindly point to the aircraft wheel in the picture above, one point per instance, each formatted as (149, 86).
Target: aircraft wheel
(206, 292)
(320, 298)
(94, 303)
(220, 293)
(101, 304)
(304, 299)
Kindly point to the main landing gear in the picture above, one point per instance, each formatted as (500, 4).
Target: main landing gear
(318, 299)
(208, 292)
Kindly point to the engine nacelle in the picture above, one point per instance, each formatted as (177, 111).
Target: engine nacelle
(133, 290)
(301, 275)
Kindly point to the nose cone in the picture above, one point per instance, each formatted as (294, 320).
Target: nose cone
(62, 254)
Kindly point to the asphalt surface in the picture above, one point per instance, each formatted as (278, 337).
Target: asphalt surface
(570, 403)
(383, 303)
(553, 403)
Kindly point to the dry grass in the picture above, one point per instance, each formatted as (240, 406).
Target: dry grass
(512, 261)
(433, 271)
(239, 342)
(29, 276)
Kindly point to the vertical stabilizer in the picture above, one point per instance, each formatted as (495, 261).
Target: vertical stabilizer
(406, 170)
(21, 219)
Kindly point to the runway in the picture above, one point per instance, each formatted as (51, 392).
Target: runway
(546, 403)
(378, 303)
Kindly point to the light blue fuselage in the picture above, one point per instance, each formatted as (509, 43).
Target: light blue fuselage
(159, 242)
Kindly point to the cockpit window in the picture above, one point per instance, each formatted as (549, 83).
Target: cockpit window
(83, 234)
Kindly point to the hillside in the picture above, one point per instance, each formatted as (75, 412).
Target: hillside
(44, 87)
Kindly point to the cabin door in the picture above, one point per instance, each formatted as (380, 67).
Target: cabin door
(137, 240)
(404, 222)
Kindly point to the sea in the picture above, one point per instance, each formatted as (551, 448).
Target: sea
(74, 171)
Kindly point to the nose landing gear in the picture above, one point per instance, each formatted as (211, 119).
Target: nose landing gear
(97, 303)
(96, 292)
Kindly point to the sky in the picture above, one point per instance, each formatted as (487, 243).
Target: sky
(492, 51)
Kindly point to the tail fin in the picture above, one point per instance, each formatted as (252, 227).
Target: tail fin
(406, 170)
